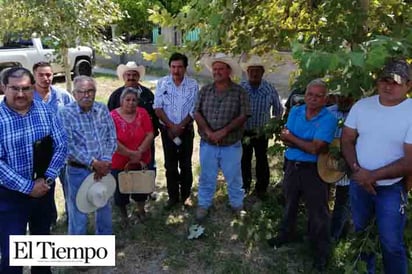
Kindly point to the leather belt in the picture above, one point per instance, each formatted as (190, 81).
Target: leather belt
(300, 164)
(78, 165)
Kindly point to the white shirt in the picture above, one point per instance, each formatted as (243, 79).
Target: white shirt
(176, 101)
(382, 130)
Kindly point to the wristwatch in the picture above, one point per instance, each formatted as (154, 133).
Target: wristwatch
(49, 181)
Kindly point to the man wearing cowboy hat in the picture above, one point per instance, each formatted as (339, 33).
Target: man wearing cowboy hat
(174, 103)
(221, 111)
(92, 141)
(263, 97)
(377, 146)
(309, 129)
(131, 74)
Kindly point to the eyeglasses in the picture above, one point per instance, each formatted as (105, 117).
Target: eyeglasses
(89, 91)
(15, 89)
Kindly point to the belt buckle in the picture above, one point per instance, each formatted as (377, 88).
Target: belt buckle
(297, 164)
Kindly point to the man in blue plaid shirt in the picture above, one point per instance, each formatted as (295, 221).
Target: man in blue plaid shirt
(92, 141)
(263, 98)
(23, 121)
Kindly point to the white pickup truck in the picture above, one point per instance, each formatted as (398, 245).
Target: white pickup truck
(26, 53)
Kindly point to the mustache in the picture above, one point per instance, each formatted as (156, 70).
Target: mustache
(86, 100)
(131, 80)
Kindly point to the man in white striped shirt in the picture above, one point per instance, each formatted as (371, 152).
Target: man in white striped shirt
(263, 98)
(174, 102)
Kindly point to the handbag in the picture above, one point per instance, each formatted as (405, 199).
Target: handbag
(137, 181)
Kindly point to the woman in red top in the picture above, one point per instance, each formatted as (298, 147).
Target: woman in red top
(134, 137)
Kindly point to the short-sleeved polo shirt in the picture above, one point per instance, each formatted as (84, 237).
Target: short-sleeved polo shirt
(321, 127)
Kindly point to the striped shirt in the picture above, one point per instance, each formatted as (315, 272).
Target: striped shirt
(91, 135)
(57, 99)
(17, 135)
(261, 100)
(176, 101)
(219, 110)
(338, 133)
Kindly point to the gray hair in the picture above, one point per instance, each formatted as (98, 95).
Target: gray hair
(318, 82)
(130, 90)
(82, 78)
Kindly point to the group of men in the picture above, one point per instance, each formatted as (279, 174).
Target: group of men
(376, 145)
(377, 150)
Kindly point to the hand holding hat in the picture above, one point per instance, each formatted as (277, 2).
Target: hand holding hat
(93, 195)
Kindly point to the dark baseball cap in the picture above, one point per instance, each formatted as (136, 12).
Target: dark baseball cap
(398, 70)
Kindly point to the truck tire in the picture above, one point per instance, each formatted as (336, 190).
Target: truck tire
(82, 67)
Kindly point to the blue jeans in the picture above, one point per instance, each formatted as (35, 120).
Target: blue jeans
(78, 219)
(389, 207)
(228, 158)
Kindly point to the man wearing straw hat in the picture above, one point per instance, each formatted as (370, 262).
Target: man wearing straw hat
(308, 131)
(263, 97)
(221, 111)
(131, 74)
(92, 141)
(377, 146)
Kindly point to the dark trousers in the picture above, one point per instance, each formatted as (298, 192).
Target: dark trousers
(260, 145)
(302, 179)
(11, 223)
(341, 211)
(121, 199)
(178, 164)
(41, 216)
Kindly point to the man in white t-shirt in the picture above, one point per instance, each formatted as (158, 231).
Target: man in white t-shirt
(377, 145)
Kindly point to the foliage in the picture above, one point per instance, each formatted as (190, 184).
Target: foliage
(135, 23)
(69, 21)
(347, 41)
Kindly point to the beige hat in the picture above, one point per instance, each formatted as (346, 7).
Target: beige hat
(93, 195)
(131, 65)
(254, 61)
(328, 166)
(208, 61)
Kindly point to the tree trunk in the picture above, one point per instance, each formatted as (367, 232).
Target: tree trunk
(67, 71)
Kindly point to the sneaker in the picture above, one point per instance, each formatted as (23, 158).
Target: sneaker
(201, 214)
(188, 202)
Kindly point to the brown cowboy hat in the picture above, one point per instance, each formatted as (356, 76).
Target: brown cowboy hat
(328, 166)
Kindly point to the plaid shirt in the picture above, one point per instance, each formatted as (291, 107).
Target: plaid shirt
(220, 110)
(91, 135)
(58, 98)
(17, 135)
(176, 102)
(261, 99)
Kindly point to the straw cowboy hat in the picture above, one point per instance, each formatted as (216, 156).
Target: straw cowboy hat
(93, 195)
(254, 61)
(328, 166)
(131, 65)
(208, 61)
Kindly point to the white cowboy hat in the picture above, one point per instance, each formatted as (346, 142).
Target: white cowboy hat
(131, 65)
(93, 195)
(208, 61)
(254, 61)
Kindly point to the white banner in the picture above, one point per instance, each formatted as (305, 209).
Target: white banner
(62, 250)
